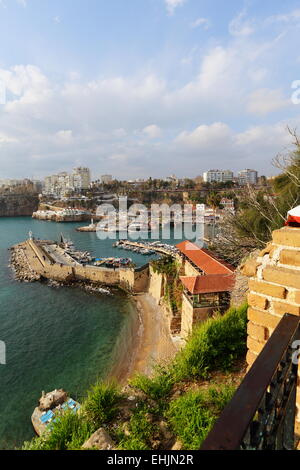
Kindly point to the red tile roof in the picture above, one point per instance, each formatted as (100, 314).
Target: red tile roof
(208, 283)
(204, 259)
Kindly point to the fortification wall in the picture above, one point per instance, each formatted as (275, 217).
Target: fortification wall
(156, 285)
(133, 280)
(274, 289)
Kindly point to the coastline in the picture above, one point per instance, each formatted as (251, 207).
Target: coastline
(150, 341)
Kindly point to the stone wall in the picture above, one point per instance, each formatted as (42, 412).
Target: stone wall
(274, 289)
(156, 285)
(128, 278)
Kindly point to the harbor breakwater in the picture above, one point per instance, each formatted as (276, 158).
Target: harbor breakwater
(32, 261)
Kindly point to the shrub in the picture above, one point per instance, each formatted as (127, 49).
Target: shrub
(140, 431)
(69, 432)
(156, 387)
(214, 344)
(192, 415)
(100, 404)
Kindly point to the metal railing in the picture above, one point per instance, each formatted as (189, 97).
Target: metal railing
(261, 414)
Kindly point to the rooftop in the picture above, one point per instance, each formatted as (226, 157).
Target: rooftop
(208, 284)
(204, 259)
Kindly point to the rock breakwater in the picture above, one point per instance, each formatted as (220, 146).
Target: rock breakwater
(21, 266)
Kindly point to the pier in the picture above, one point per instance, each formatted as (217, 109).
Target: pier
(36, 260)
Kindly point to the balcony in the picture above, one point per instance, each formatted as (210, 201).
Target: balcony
(261, 415)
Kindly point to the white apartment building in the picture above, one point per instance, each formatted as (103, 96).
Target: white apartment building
(248, 176)
(81, 178)
(62, 183)
(217, 176)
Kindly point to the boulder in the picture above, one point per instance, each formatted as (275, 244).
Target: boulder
(100, 440)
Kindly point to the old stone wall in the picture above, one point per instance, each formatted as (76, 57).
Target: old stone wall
(274, 289)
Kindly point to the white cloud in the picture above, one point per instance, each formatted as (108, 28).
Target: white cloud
(239, 26)
(65, 136)
(57, 19)
(152, 131)
(292, 16)
(173, 4)
(22, 2)
(205, 136)
(203, 22)
(264, 101)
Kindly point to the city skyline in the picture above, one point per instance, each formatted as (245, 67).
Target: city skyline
(146, 88)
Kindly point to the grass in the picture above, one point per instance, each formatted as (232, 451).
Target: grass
(214, 345)
(157, 387)
(72, 430)
(101, 404)
(140, 431)
(192, 415)
(68, 433)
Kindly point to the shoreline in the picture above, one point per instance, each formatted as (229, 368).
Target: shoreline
(150, 343)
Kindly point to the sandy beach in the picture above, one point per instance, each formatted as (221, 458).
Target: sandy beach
(152, 341)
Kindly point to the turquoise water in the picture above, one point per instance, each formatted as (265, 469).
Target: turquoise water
(54, 337)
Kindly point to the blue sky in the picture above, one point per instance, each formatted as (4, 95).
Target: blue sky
(141, 88)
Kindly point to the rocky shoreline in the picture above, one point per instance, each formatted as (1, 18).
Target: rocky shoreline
(21, 267)
(24, 273)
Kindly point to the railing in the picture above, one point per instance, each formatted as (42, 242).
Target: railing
(261, 415)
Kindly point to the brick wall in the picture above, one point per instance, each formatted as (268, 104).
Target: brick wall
(274, 289)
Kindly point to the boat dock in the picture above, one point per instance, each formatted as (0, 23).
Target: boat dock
(147, 248)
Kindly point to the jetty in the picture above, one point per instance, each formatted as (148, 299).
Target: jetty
(38, 260)
(147, 248)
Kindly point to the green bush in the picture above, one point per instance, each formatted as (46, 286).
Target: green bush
(69, 432)
(213, 345)
(192, 415)
(140, 431)
(156, 387)
(100, 404)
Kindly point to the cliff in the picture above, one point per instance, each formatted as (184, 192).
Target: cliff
(13, 205)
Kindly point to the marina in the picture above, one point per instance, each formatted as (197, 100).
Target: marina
(146, 248)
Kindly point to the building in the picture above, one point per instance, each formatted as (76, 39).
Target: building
(106, 179)
(62, 183)
(207, 283)
(217, 176)
(247, 177)
(228, 204)
(81, 177)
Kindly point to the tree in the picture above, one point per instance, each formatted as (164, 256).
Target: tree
(259, 212)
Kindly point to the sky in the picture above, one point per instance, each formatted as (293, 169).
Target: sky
(139, 88)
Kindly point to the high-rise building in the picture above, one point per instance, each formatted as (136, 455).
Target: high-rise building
(247, 177)
(217, 176)
(62, 183)
(81, 178)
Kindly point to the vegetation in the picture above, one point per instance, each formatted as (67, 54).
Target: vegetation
(100, 405)
(158, 386)
(170, 268)
(261, 212)
(140, 431)
(215, 345)
(70, 431)
(193, 415)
